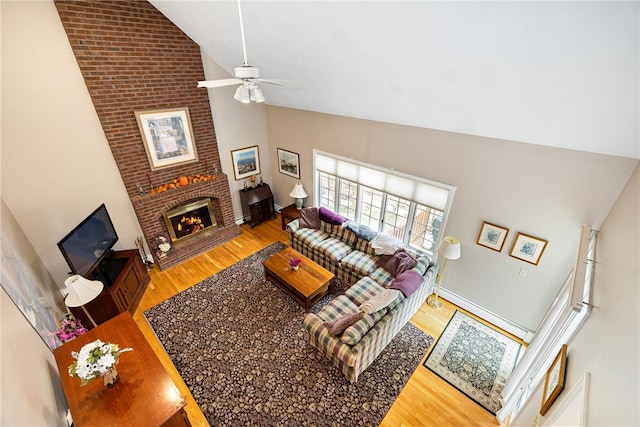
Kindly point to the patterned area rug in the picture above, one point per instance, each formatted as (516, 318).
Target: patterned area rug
(475, 359)
(238, 343)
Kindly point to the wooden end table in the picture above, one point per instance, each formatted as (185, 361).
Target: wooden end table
(145, 394)
(306, 285)
(288, 214)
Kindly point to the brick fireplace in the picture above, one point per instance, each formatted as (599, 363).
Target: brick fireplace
(132, 59)
(150, 209)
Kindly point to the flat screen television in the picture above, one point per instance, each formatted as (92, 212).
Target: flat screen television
(89, 242)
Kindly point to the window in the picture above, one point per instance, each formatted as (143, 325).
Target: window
(371, 207)
(410, 208)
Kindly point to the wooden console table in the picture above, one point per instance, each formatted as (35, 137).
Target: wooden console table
(145, 394)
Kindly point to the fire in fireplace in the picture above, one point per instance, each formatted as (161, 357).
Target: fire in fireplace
(188, 220)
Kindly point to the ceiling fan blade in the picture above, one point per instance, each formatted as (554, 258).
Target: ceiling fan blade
(272, 82)
(219, 83)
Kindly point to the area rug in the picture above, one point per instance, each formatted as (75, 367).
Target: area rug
(475, 359)
(238, 343)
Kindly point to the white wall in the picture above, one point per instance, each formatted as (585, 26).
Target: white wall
(541, 191)
(30, 390)
(237, 126)
(56, 163)
(608, 345)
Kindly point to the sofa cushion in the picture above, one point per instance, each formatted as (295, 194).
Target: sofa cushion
(363, 290)
(337, 308)
(407, 282)
(385, 244)
(332, 249)
(330, 216)
(343, 233)
(310, 237)
(382, 277)
(365, 246)
(422, 265)
(380, 302)
(358, 262)
(337, 326)
(396, 263)
(309, 218)
(361, 230)
(354, 333)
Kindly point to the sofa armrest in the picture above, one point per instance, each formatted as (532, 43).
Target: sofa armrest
(293, 226)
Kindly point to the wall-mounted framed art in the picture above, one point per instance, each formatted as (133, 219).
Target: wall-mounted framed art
(492, 236)
(554, 380)
(289, 163)
(246, 162)
(167, 137)
(528, 248)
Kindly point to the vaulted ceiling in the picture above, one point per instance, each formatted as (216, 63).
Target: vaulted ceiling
(562, 74)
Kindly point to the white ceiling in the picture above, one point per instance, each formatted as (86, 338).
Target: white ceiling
(562, 74)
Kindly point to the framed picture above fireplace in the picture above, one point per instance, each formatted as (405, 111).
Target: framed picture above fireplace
(167, 137)
(246, 162)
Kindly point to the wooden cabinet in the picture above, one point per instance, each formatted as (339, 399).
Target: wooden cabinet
(257, 204)
(125, 277)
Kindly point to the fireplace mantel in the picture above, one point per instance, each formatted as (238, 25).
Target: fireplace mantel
(150, 209)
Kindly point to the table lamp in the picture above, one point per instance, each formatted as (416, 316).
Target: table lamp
(449, 249)
(81, 291)
(299, 194)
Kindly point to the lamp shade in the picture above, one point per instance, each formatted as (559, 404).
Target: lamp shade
(298, 192)
(242, 95)
(81, 290)
(449, 248)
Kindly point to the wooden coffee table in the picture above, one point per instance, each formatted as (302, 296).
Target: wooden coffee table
(306, 285)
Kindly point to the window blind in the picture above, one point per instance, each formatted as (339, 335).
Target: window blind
(419, 190)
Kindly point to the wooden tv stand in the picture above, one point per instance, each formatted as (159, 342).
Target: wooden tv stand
(129, 279)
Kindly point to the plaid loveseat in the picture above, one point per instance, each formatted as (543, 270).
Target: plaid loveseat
(353, 261)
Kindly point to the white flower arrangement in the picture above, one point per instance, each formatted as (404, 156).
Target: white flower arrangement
(94, 360)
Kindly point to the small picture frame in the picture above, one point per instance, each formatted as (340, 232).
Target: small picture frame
(492, 236)
(554, 381)
(528, 248)
(289, 163)
(167, 137)
(246, 162)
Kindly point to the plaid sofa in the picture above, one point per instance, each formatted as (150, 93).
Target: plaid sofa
(353, 260)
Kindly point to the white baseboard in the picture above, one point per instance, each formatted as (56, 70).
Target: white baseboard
(523, 333)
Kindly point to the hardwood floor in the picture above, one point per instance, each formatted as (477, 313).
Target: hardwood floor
(426, 400)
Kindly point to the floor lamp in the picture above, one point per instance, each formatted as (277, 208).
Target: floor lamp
(81, 291)
(449, 249)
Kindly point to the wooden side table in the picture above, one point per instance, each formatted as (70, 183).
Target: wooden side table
(288, 214)
(145, 394)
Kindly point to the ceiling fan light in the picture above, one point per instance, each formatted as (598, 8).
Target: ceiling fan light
(242, 95)
(256, 94)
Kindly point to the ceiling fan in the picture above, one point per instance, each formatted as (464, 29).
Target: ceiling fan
(247, 76)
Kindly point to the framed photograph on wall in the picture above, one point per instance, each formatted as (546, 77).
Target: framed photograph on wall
(167, 137)
(492, 236)
(528, 248)
(246, 162)
(554, 380)
(289, 163)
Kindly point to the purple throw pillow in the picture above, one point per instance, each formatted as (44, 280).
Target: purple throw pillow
(407, 282)
(309, 218)
(337, 326)
(331, 217)
(396, 263)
